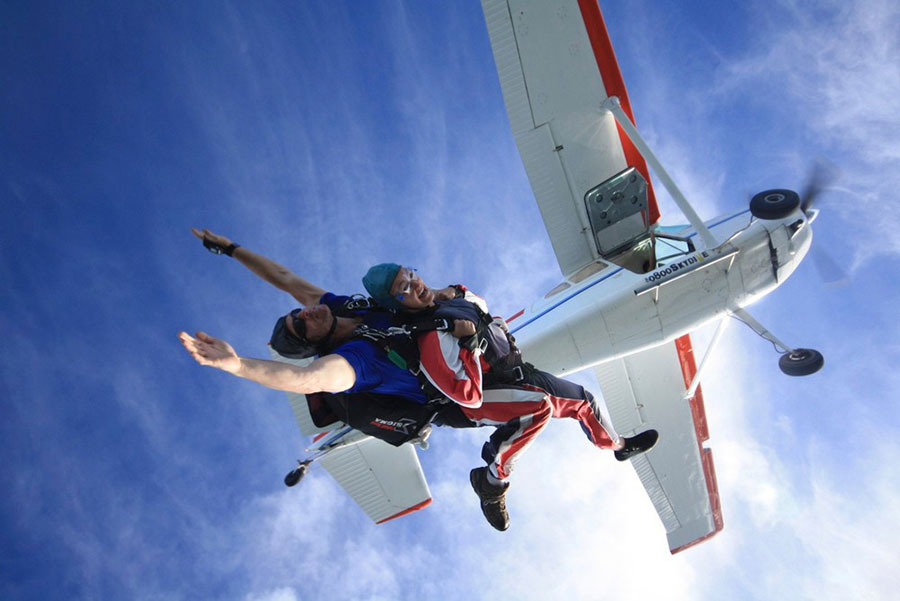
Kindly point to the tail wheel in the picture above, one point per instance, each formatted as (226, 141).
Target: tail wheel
(294, 476)
(801, 362)
(774, 204)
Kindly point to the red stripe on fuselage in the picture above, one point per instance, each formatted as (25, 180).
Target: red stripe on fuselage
(615, 86)
(519, 314)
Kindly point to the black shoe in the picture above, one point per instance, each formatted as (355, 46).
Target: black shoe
(493, 498)
(636, 445)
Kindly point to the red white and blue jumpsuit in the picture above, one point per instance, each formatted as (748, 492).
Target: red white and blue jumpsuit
(519, 407)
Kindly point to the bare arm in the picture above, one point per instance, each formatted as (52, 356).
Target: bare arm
(274, 273)
(331, 373)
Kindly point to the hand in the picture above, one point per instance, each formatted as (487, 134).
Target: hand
(216, 239)
(210, 351)
(463, 328)
(448, 293)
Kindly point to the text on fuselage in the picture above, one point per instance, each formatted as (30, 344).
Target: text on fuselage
(673, 268)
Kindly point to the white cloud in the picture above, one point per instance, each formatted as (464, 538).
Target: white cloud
(851, 527)
(801, 513)
(278, 594)
(834, 69)
(838, 61)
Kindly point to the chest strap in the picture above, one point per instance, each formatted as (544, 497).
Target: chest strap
(400, 346)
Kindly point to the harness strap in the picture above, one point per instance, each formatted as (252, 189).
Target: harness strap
(357, 303)
(399, 345)
(500, 365)
(509, 375)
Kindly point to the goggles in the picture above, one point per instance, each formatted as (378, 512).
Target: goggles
(409, 276)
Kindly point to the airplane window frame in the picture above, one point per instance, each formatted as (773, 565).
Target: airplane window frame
(678, 252)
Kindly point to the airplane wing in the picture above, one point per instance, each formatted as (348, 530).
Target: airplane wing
(556, 67)
(385, 481)
(646, 390)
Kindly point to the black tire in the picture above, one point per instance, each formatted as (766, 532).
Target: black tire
(294, 476)
(774, 204)
(801, 362)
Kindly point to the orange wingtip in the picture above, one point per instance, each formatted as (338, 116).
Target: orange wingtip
(421, 505)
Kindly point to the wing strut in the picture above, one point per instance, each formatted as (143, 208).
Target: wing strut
(613, 105)
(723, 325)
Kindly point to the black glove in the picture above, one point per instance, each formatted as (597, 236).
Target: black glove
(218, 249)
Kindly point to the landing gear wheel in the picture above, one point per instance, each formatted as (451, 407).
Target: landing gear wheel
(774, 204)
(294, 476)
(801, 362)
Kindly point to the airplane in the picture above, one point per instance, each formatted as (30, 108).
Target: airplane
(632, 290)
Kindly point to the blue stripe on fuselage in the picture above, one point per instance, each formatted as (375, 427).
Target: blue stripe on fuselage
(571, 296)
(718, 223)
(592, 284)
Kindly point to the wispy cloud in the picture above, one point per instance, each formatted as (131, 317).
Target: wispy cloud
(834, 69)
(177, 468)
(278, 594)
(571, 505)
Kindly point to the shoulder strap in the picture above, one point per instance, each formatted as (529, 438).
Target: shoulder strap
(358, 303)
(399, 344)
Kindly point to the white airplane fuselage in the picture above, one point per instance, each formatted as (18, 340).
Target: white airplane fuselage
(616, 312)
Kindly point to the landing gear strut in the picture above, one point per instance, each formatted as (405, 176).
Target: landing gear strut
(801, 362)
(794, 361)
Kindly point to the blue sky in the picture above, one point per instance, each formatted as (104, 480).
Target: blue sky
(332, 135)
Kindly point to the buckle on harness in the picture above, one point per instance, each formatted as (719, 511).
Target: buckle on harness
(483, 345)
(518, 373)
(439, 323)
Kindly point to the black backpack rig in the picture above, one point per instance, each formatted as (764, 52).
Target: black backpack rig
(391, 418)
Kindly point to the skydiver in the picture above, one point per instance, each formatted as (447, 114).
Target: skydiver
(351, 364)
(347, 363)
(354, 365)
(530, 396)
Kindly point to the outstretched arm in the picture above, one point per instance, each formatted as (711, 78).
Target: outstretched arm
(278, 275)
(331, 373)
